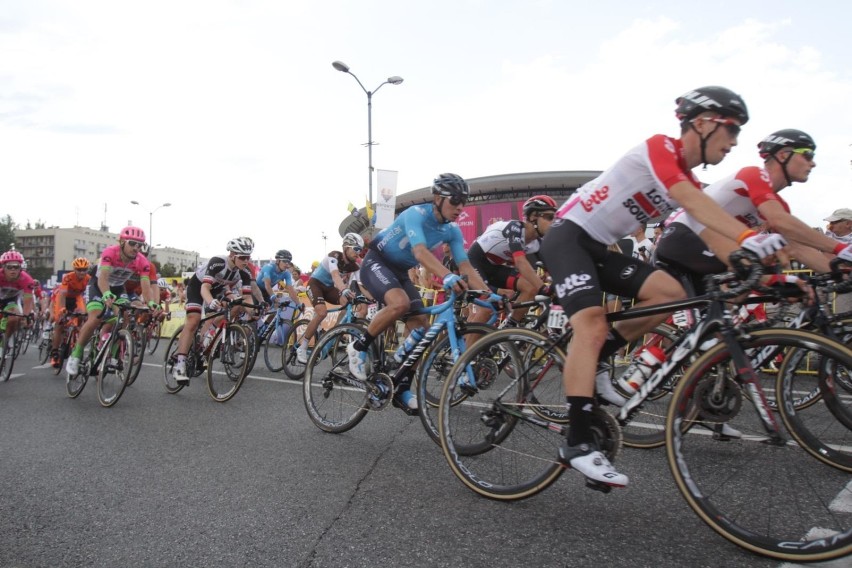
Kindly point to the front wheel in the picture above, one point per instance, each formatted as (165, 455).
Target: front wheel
(292, 367)
(227, 365)
(334, 399)
(501, 415)
(116, 367)
(169, 361)
(74, 384)
(152, 340)
(7, 358)
(758, 491)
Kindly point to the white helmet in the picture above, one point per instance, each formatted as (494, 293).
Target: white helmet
(353, 240)
(161, 282)
(241, 245)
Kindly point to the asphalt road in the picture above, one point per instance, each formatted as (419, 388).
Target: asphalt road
(180, 480)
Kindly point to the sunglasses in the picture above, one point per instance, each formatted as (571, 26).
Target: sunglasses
(729, 123)
(806, 153)
(243, 257)
(81, 270)
(136, 244)
(12, 266)
(456, 201)
(357, 249)
(547, 216)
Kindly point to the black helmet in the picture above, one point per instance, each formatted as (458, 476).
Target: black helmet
(284, 255)
(787, 138)
(451, 185)
(539, 203)
(711, 99)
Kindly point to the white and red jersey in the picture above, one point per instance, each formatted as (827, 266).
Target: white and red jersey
(739, 195)
(631, 192)
(504, 240)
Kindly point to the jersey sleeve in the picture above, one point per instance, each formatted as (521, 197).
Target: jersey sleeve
(413, 226)
(456, 243)
(759, 187)
(513, 232)
(665, 162)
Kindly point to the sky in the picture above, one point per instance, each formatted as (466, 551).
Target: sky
(232, 112)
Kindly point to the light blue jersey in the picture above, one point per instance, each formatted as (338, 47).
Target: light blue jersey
(270, 271)
(415, 226)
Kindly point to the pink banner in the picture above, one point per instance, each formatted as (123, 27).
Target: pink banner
(494, 212)
(467, 223)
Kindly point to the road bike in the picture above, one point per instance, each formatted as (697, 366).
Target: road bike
(222, 349)
(501, 438)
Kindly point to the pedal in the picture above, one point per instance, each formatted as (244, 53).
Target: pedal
(404, 408)
(598, 486)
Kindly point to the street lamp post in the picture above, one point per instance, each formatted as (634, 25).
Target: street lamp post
(394, 80)
(151, 218)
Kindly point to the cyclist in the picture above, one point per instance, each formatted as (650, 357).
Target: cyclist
(16, 292)
(117, 264)
(277, 273)
(326, 285)
(644, 184)
(500, 253)
(406, 243)
(68, 298)
(752, 196)
(220, 278)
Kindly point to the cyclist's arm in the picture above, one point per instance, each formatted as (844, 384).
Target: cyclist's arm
(28, 304)
(475, 281)
(267, 283)
(207, 292)
(706, 211)
(527, 271)
(103, 279)
(794, 229)
(428, 260)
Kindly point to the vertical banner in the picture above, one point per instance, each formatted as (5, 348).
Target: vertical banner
(467, 224)
(494, 212)
(386, 199)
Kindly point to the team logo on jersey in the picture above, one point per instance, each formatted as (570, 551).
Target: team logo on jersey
(595, 198)
(645, 206)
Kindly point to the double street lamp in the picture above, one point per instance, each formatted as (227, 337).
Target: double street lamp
(394, 80)
(151, 218)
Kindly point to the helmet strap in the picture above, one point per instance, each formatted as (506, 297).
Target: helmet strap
(440, 208)
(783, 164)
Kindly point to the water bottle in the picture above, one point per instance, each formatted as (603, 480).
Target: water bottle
(208, 337)
(413, 339)
(640, 369)
(103, 340)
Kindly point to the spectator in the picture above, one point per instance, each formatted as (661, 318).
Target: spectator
(840, 228)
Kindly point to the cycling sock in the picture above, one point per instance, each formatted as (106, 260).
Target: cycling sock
(78, 351)
(364, 343)
(614, 342)
(580, 417)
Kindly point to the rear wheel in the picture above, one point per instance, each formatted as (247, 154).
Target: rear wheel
(292, 367)
(74, 384)
(334, 399)
(169, 360)
(152, 340)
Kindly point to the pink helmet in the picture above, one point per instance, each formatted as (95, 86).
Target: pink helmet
(132, 234)
(11, 256)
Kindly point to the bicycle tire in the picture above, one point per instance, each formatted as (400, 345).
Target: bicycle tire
(334, 400)
(227, 364)
(169, 360)
(152, 340)
(44, 348)
(487, 439)
(116, 367)
(756, 492)
(25, 336)
(68, 343)
(7, 361)
(74, 384)
(292, 367)
(274, 355)
(138, 335)
(436, 365)
(253, 346)
(823, 429)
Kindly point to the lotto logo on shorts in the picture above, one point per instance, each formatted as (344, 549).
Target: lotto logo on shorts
(573, 284)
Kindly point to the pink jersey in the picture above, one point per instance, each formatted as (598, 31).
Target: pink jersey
(120, 272)
(633, 191)
(16, 289)
(739, 195)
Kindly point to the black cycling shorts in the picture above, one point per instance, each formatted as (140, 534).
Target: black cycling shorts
(378, 277)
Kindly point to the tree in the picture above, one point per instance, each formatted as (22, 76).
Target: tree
(169, 269)
(7, 233)
(40, 273)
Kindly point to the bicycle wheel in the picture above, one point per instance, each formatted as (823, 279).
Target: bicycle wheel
(7, 358)
(227, 365)
(275, 347)
(68, 343)
(169, 360)
(763, 494)
(44, 347)
(24, 335)
(116, 367)
(824, 429)
(433, 370)
(292, 367)
(334, 399)
(492, 439)
(152, 339)
(138, 335)
(253, 348)
(74, 384)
